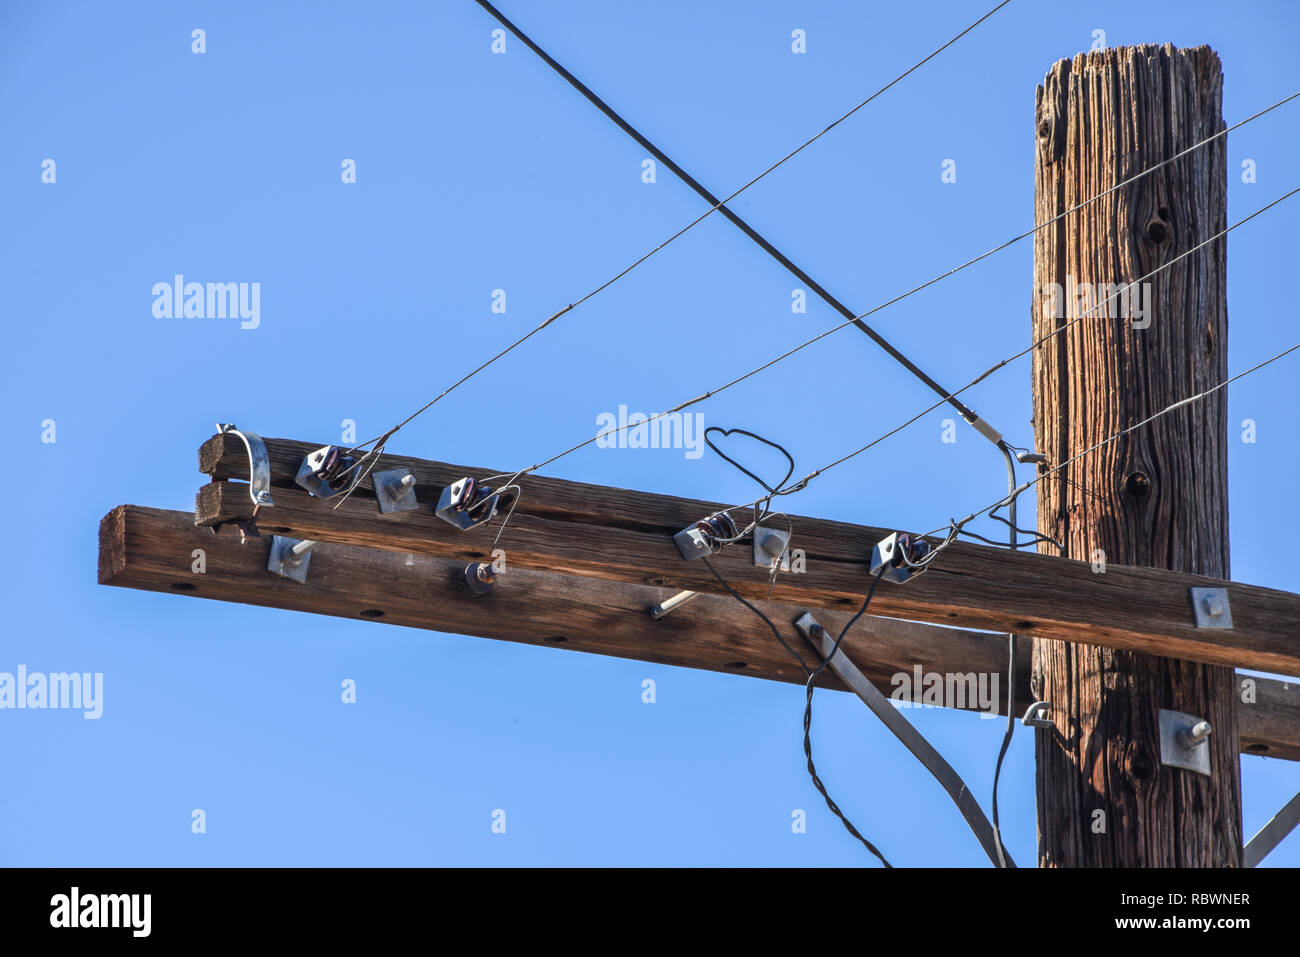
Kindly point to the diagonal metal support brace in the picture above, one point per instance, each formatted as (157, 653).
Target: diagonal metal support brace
(1272, 833)
(911, 739)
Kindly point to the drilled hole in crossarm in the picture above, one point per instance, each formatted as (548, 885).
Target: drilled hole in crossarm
(372, 613)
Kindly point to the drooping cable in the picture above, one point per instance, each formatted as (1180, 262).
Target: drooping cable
(758, 611)
(803, 482)
(807, 725)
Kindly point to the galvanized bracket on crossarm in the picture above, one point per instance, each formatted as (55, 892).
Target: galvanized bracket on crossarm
(259, 465)
(902, 729)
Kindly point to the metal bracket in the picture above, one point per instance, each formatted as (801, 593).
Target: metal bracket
(1211, 608)
(889, 555)
(259, 465)
(395, 490)
(1036, 716)
(319, 487)
(692, 543)
(484, 509)
(1185, 741)
(902, 729)
(770, 544)
(290, 557)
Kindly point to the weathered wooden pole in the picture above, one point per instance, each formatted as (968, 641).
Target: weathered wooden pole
(1158, 497)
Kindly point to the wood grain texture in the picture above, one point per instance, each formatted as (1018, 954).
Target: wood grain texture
(1159, 497)
(150, 549)
(597, 531)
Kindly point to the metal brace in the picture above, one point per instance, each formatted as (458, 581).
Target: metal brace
(1272, 833)
(1036, 716)
(1184, 741)
(290, 557)
(902, 729)
(1211, 608)
(395, 490)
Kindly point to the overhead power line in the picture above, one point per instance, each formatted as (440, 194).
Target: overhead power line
(715, 205)
(798, 486)
(718, 205)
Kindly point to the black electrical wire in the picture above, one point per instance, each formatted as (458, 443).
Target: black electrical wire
(1006, 740)
(988, 541)
(719, 204)
(1035, 538)
(813, 675)
(767, 621)
(807, 726)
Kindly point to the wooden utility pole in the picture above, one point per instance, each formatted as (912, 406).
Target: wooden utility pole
(1158, 497)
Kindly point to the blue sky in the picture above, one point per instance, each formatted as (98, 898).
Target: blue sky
(478, 172)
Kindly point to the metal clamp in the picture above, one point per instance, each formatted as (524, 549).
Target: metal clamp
(1036, 716)
(467, 504)
(309, 476)
(290, 557)
(1184, 741)
(395, 490)
(706, 536)
(1211, 607)
(259, 465)
(892, 554)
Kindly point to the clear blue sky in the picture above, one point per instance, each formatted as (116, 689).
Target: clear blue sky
(478, 172)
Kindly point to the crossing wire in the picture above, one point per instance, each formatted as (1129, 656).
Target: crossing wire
(802, 483)
(716, 205)
(379, 441)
